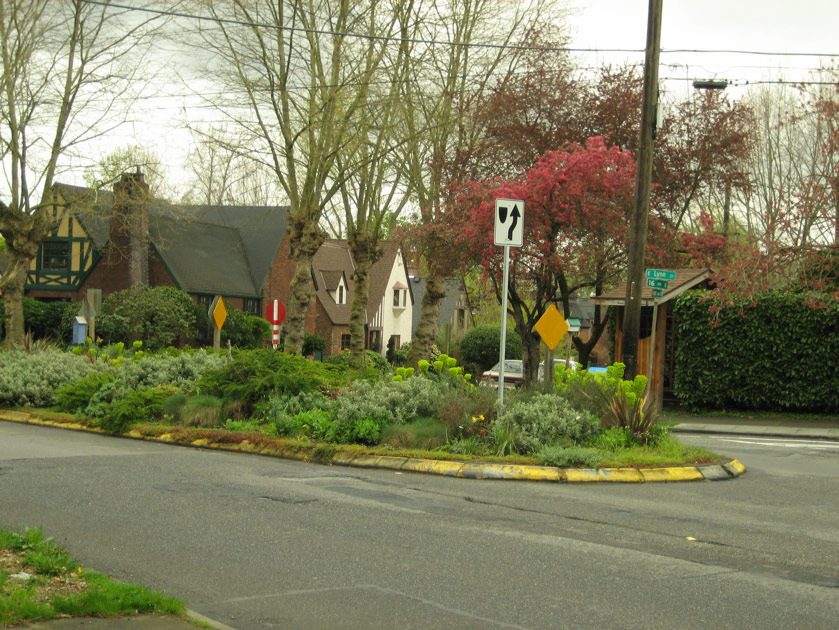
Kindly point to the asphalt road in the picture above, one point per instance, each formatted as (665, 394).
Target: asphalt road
(261, 543)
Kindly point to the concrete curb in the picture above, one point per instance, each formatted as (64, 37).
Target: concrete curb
(463, 470)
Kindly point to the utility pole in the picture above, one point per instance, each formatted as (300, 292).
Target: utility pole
(638, 225)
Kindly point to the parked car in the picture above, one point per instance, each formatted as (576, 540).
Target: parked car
(514, 373)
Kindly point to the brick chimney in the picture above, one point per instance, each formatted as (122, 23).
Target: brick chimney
(130, 227)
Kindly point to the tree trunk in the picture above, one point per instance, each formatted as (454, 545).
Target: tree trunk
(13, 285)
(304, 241)
(426, 332)
(584, 348)
(299, 298)
(358, 310)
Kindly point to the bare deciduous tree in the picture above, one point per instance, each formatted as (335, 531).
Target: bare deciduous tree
(303, 69)
(66, 71)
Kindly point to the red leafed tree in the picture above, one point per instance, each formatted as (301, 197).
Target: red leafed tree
(577, 203)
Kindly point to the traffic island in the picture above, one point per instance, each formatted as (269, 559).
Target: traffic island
(328, 454)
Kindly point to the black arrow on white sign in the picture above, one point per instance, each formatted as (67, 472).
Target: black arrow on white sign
(515, 216)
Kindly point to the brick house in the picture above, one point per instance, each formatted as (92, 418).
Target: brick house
(389, 305)
(109, 240)
(114, 240)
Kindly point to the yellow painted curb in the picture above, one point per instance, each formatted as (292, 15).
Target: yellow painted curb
(439, 467)
(625, 475)
(736, 465)
(673, 473)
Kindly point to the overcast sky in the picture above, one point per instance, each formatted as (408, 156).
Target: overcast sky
(758, 26)
(767, 26)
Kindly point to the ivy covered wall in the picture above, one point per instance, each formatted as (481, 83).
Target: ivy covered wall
(778, 351)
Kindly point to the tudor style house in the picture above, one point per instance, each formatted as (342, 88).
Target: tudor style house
(389, 303)
(112, 241)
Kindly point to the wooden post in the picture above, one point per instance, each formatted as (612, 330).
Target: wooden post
(639, 221)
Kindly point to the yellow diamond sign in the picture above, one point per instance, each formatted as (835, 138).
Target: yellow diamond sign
(219, 314)
(551, 327)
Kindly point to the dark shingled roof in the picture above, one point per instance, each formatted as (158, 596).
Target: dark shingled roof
(333, 257)
(207, 249)
(452, 287)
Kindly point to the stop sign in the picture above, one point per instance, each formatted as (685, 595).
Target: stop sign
(275, 312)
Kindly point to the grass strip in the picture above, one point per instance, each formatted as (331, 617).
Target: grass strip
(40, 581)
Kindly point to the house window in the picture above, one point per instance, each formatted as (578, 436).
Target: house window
(461, 318)
(251, 306)
(340, 294)
(396, 297)
(400, 298)
(55, 255)
(395, 341)
(205, 300)
(345, 342)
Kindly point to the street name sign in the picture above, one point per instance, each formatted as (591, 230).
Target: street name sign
(657, 284)
(657, 293)
(509, 222)
(661, 274)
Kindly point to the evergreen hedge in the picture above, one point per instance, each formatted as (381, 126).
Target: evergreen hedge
(772, 352)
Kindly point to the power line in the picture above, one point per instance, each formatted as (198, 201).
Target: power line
(433, 42)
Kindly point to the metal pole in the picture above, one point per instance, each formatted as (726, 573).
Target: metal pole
(503, 351)
(638, 225)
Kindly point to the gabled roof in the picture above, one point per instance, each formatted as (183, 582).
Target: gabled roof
(207, 249)
(333, 258)
(331, 262)
(686, 279)
(380, 275)
(331, 279)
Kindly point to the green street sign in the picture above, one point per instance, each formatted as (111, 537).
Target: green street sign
(657, 284)
(661, 274)
(657, 293)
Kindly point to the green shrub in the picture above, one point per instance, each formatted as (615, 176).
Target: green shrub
(74, 397)
(480, 346)
(376, 364)
(775, 351)
(30, 380)
(254, 375)
(313, 343)
(48, 320)
(244, 330)
(569, 457)
(423, 433)
(398, 402)
(194, 411)
(157, 316)
(181, 368)
(528, 424)
(142, 405)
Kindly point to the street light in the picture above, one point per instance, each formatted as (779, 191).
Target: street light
(710, 84)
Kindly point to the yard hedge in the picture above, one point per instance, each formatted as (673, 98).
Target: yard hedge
(776, 351)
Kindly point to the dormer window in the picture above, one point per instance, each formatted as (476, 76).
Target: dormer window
(341, 293)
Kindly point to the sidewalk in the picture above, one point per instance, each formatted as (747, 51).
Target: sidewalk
(811, 429)
(192, 621)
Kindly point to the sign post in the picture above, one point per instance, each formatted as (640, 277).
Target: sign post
(658, 280)
(509, 232)
(275, 314)
(218, 313)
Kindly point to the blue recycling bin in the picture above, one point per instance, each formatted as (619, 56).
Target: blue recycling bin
(79, 330)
